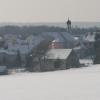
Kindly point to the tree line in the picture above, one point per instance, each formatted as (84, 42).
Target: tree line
(35, 30)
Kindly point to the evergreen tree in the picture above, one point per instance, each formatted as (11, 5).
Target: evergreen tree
(29, 62)
(4, 62)
(97, 49)
(18, 60)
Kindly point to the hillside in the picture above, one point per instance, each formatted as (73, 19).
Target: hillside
(73, 84)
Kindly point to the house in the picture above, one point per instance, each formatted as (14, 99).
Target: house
(3, 70)
(87, 44)
(23, 46)
(56, 59)
(7, 58)
(89, 39)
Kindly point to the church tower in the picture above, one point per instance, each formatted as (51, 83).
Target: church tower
(69, 25)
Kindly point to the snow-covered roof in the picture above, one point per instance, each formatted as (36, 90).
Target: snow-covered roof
(56, 36)
(8, 52)
(2, 50)
(68, 36)
(89, 37)
(76, 38)
(24, 49)
(55, 41)
(24, 46)
(58, 53)
(60, 36)
(77, 48)
(3, 68)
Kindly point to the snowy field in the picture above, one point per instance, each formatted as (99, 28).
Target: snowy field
(73, 84)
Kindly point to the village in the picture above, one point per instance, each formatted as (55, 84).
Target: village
(48, 51)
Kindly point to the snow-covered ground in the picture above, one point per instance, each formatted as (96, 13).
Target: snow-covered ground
(72, 84)
(86, 62)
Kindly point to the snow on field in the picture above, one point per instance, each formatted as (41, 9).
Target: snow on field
(73, 84)
(86, 61)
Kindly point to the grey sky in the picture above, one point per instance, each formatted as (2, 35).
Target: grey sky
(49, 10)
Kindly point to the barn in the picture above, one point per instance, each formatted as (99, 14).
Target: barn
(59, 59)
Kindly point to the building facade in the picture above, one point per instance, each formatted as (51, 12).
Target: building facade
(59, 59)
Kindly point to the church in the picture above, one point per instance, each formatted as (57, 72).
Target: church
(63, 40)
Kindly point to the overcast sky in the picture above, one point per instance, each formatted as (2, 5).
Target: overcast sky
(49, 10)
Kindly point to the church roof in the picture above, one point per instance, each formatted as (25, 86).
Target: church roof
(61, 36)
